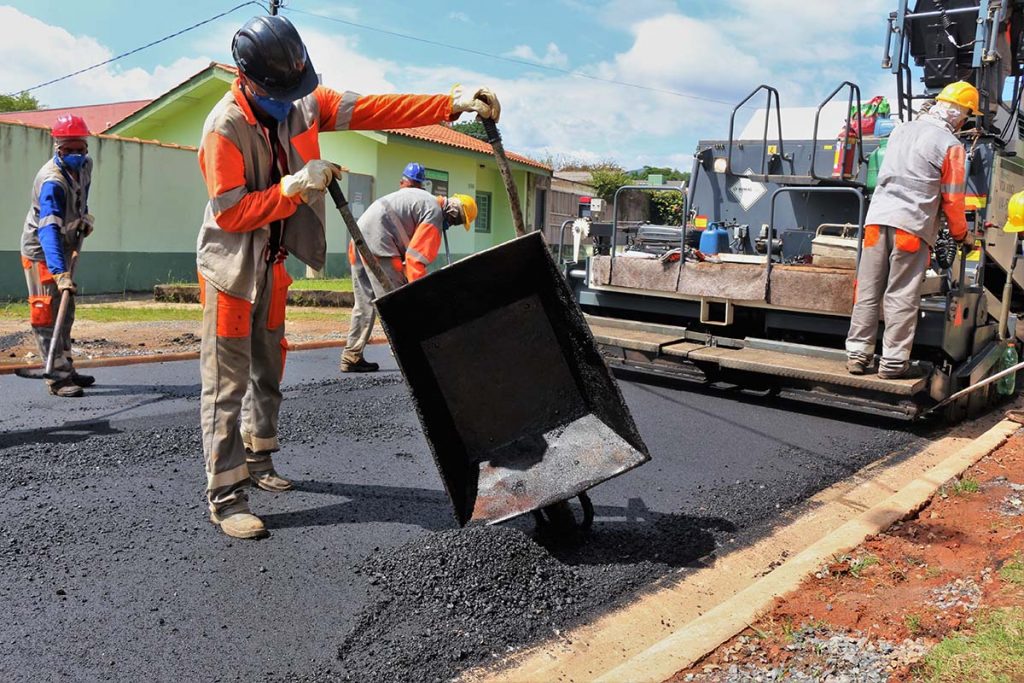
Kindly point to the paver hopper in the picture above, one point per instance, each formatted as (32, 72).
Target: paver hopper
(516, 402)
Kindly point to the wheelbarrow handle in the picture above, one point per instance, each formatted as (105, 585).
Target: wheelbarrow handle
(365, 255)
(494, 138)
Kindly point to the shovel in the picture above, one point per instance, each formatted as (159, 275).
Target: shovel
(58, 325)
(517, 405)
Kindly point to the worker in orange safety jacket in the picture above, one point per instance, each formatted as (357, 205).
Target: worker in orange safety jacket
(260, 157)
(403, 230)
(923, 172)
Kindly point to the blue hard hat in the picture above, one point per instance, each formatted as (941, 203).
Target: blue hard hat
(414, 172)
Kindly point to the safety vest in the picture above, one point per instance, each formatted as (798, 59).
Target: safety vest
(235, 158)
(66, 215)
(923, 171)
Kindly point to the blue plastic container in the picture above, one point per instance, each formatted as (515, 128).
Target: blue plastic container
(884, 126)
(715, 239)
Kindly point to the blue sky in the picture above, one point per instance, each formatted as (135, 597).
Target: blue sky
(715, 50)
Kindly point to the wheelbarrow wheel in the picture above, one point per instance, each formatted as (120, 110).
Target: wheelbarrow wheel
(561, 518)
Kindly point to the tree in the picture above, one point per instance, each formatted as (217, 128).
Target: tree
(472, 128)
(667, 172)
(607, 180)
(20, 102)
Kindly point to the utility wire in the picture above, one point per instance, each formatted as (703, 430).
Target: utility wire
(138, 49)
(513, 60)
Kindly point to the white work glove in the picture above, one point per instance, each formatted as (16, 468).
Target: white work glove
(315, 176)
(480, 100)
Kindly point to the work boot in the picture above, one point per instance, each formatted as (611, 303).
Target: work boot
(361, 365)
(263, 475)
(239, 524)
(66, 388)
(82, 380)
(856, 367)
(907, 371)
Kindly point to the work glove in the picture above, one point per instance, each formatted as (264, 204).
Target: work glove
(65, 283)
(483, 101)
(87, 225)
(315, 176)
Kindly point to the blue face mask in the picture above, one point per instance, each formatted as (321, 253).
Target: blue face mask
(277, 109)
(73, 162)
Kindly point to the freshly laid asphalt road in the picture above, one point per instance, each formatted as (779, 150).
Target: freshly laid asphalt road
(109, 569)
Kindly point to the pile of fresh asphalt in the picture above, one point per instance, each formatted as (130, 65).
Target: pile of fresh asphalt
(457, 596)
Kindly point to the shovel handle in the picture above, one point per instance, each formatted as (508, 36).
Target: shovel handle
(58, 326)
(365, 255)
(494, 138)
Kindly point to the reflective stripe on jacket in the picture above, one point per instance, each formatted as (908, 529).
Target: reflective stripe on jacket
(59, 199)
(923, 171)
(405, 224)
(235, 158)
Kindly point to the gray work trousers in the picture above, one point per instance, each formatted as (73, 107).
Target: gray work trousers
(44, 301)
(365, 288)
(888, 283)
(241, 359)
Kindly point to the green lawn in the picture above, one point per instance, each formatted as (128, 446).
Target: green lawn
(994, 653)
(341, 284)
(103, 313)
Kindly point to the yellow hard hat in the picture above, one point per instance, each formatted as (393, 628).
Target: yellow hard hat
(1015, 213)
(469, 209)
(961, 93)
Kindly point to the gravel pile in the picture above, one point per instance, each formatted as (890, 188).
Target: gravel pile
(454, 598)
(819, 656)
(962, 594)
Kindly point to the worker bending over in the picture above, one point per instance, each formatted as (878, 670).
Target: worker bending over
(260, 157)
(403, 230)
(923, 172)
(57, 222)
(414, 175)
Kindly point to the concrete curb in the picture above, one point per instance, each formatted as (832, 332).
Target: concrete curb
(113, 361)
(696, 639)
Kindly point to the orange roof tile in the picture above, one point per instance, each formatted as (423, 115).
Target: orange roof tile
(443, 135)
(98, 117)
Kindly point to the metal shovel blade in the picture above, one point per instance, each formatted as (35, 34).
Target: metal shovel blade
(518, 407)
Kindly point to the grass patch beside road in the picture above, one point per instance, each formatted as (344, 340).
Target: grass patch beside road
(994, 652)
(104, 313)
(340, 284)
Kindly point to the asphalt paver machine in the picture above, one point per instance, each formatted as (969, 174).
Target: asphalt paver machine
(770, 310)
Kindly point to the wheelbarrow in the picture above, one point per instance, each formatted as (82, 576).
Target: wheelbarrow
(519, 409)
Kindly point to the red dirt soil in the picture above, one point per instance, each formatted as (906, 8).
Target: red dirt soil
(932, 573)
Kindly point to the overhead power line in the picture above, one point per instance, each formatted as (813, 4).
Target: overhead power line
(503, 58)
(138, 49)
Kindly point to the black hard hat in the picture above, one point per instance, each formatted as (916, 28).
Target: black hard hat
(269, 51)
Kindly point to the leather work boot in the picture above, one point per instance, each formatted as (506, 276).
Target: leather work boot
(263, 475)
(856, 367)
(66, 388)
(239, 524)
(361, 365)
(82, 380)
(908, 371)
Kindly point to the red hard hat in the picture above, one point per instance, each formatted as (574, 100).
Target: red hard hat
(70, 126)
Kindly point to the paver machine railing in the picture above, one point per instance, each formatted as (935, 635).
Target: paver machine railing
(646, 188)
(853, 98)
(772, 96)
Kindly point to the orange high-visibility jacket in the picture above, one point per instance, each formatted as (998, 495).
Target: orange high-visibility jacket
(235, 158)
(923, 170)
(403, 227)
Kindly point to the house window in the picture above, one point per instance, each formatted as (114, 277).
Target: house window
(483, 216)
(437, 182)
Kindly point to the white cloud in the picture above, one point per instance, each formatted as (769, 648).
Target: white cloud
(337, 58)
(552, 56)
(459, 16)
(29, 57)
